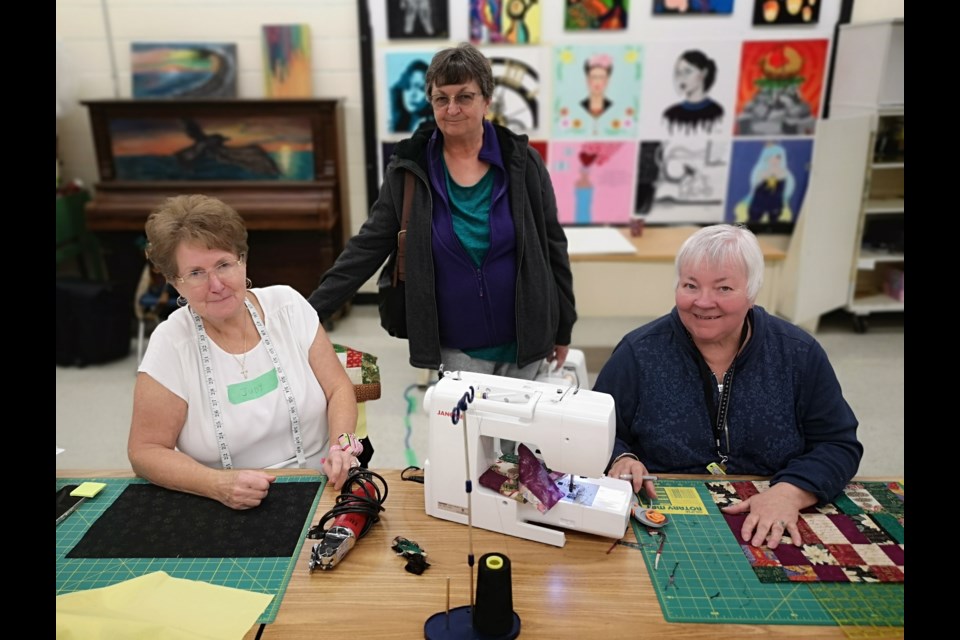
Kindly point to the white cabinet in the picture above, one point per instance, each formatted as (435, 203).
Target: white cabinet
(846, 250)
(868, 81)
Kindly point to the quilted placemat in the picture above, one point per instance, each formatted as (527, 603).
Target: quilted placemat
(857, 538)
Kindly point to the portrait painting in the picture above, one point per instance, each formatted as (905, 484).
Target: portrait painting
(779, 87)
(212, 148)
(768, 182)
(690, 90)
(588, 102)
(593, 181)
(184, 70)
(417, 19)
(408, 105)
(682, 181)
(286, 61)
(596, 15)
(789, 12)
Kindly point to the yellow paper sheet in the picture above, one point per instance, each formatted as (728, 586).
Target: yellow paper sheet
(157, 606)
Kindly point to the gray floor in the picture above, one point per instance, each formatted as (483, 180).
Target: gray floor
(94, 403)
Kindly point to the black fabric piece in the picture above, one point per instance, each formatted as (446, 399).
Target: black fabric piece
(147, 521)
(417, 565)
(64, 500)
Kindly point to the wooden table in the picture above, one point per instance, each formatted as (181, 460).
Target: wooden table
(578, 591)
(641, 284)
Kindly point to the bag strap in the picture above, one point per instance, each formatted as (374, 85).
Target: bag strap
(399, 267)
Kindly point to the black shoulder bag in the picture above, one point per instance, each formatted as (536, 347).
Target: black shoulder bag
(392, 286)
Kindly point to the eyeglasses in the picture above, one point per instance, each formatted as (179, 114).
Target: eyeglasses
(463, 100)
(223, 271)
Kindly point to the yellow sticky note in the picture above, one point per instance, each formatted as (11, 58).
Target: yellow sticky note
(88, 489)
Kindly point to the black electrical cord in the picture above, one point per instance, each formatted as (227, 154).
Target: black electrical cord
(412, 474)
(367, 501)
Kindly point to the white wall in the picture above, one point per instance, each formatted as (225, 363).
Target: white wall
(93, 41)
(869, 10)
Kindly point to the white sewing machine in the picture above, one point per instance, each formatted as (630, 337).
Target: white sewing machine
(573, 431)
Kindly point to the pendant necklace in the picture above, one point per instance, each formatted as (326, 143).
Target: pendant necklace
(242, 360)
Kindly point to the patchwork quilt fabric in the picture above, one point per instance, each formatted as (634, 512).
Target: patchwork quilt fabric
(857, 538)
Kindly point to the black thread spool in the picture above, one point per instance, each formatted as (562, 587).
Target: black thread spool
(493, 611)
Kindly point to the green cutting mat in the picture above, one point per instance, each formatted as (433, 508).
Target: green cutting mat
(714, 582)
(263, 575)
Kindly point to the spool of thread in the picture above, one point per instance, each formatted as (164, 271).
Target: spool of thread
(493, 610)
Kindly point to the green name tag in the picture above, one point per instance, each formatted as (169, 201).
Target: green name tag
(252, 389)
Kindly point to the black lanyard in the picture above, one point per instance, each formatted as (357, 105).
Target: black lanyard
(720, 431)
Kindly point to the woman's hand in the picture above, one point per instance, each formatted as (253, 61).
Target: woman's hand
(627, 466)
(337, 466)
(559, 356)
(773, 514)
(244, 489)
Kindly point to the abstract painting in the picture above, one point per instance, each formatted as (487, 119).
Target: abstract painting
(417, 19)
(593, 181)
(780, 86)
(184, 70)
(521, 22)
(682, 181)
(286, 61)
(586, 103)
(692, 7)
(768, 182)
(596, 15)
(774, 12)
(857, 538)
(212, 148)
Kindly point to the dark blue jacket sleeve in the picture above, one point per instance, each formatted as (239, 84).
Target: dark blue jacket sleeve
(831, 450)
(619, 378)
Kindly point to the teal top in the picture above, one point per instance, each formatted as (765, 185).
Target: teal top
(470, 209)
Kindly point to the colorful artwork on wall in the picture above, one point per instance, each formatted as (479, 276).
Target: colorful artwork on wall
(407, 104)
(774, 12)
(286, 61)
(690, 90)
(692, 7)
(417, 19)
(593, 181)
(521, 22)
(768, 181)
(596, 15)
(586, 103)
(486, 21)
(184, 70)
(681, 180)
(504, 21)
(212, 148)
(515, 103)
(780, 87)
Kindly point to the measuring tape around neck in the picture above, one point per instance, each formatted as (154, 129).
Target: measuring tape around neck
(203, 345)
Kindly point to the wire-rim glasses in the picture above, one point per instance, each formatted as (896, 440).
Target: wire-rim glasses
(223, 270)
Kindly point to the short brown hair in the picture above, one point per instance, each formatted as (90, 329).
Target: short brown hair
(192, 218)
(460, 65)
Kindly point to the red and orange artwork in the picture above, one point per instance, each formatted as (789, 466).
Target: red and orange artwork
(780, 87)
(286, 61)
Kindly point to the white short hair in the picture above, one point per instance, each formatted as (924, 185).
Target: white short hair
(722, 244)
